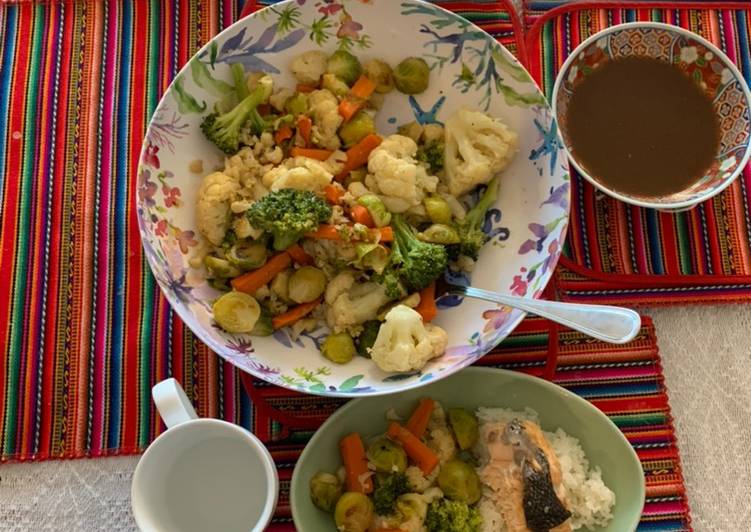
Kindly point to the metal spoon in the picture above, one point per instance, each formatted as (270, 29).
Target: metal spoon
(616, 325)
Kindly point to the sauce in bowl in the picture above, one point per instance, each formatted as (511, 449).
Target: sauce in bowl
(642, 127)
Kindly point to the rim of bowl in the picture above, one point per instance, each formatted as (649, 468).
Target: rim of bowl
(533, 381)
(678, 205)
(186, 315)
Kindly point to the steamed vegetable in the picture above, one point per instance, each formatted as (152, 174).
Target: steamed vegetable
(250, 282)
(247, 256)
(381, 216)
(460, 482)
(354, 512)
(344, 66)
(418, 421)
(325, 490)
(387, 456)
(294, 314)
(367, 337)
(469, 228)
(388, 489)
(339, 348)
(438, 209)
(465, 427)
(306, 284)
(420, 453)
(380, 72)
(359, 477)
(440, 234)
(221, 268)
(236, 312)
(357, 128)
(452, 516)
(411, 75)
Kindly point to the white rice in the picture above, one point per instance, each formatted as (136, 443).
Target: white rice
(589, 499)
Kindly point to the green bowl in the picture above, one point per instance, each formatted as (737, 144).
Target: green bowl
(473, 387)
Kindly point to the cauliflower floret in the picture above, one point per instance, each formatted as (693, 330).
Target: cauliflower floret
(280, 97)
(217, 192)
(242, 228)
(405, 343)
(397, 176)
(442, 443)
(418, 481)
(477, 148)
(349, 304)
(324, 110)
(309, 67)
(300, 173)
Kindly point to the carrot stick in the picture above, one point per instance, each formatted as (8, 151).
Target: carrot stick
(299, 255)
(333, 194)
(253, 280)
(355, 464)
(361, 215)
(301, 87)
(357, 155)
(349, 108)
(331, 232)
(427, 307)
(418, 421)
(282, 134)
(358, 94)
(305, 126)
(420, 453)
(363, 87)
(311, 153)
(295, 313)
(386, 233)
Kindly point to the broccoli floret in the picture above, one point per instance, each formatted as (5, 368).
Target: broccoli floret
(414, 263)
(224, 129)
(432, 155)
(387, 490)
(470, 227)
(452, 516)
(288, 214)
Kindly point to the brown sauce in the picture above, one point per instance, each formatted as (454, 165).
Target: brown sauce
(641, 126)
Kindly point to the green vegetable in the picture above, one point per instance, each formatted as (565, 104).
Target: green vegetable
(335, 85)
(412, 75)
(372, 256)
(220, 268)
(344, 66)
(440, 234)
(367, 337)
(247, 256)
(388, 488)
(297, 104)
(432, 155)
(470, 227)
(306, 284)
(414, 264)
(238, 77)
(354, 512)
(438, 210)
(264, 326)
(357, 128)
(381, 216)
(379, 72)
(459, 482)
(236, 312)
(288, 214)
(339, 348)
(219, 283)
(452, 516)
(325, 490)
(280, 284)
(412, 130)
(387, 456)
(464, 425)
(224, 129)
(357, 175)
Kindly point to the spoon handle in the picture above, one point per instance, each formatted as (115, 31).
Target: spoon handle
(616, 325)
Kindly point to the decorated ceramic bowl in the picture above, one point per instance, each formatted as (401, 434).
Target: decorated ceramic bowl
(705, 63)
(526, 226)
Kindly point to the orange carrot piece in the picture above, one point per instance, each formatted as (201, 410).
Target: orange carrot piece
(363, 88)
(418, 421)
(333, 194)
(311, 153)
(420, 453)
(253, 280)
(305, 126)
(386, 233)
(301, 87)
(355, 464)
(357, 155)
(348, 108)
(330, 232)
(299, 255)
(282, 134)
(362, 215)
(295, 313)
(427, 307)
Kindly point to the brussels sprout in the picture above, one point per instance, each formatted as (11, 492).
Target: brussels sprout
(247, 256)
(220, 267)
(344, 66)
(357, 175)
(412, 130)
(387, 456)
(335, 85)
(280, 284)
(381, 216)
(372, 256)
(357, 128)
(412, 507)
(236, 312)
(339, 348)
(459, 482)
(464, 425)
(354, 512)
(438, 209)
(379, 72)
(264, 326)
(306, 284)
(219, 283)
(297, 104)
(440, 234)
(367, 337)
(411, 76)
(325, 490)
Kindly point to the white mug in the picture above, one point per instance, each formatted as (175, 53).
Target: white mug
(201, 474)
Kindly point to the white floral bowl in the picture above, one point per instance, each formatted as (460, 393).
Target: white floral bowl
(705, 63)
(526, 227)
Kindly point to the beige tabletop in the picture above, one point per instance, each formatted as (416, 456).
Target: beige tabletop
(706, 353)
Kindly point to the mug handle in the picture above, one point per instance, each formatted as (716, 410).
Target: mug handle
(173, 405)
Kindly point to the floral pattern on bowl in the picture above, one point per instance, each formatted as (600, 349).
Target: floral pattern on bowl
(468, 68)
(698, 59)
